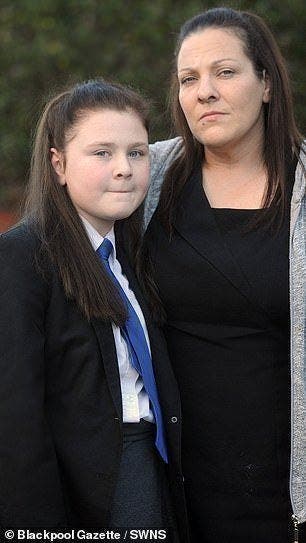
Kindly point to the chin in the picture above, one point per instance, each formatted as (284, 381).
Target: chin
(122, 210)
(216, 143)
(213, 138)
(123, 214)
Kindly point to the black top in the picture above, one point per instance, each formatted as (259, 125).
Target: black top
(225, 288)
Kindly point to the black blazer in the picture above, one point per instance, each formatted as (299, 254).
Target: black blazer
(60, 400)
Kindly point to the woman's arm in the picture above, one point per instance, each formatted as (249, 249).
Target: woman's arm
(162, 154)
(30, 490)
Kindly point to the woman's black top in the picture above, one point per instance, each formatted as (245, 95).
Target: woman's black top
(224, 285)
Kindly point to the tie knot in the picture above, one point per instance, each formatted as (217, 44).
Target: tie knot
(105, 249)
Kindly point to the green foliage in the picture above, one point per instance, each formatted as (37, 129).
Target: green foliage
(51, 43)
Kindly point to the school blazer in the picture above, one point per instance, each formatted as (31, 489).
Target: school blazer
(60, 400)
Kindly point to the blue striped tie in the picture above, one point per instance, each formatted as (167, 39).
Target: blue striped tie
(133, 334)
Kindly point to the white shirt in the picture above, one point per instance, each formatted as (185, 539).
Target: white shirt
(135, 400)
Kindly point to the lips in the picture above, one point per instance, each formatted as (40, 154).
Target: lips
(210, 114)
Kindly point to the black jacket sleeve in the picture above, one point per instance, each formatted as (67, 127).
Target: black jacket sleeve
(30, 489)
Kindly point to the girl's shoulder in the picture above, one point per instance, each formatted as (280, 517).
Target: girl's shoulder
(21, 239)
(20, 255)
(25, 284)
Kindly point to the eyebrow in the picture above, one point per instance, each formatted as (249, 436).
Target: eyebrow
(112, 144)
(213, 64)
(216, 62)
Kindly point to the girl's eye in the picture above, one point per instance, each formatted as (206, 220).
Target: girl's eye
(136, 153)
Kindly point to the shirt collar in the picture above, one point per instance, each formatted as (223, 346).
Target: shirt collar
(96, 239)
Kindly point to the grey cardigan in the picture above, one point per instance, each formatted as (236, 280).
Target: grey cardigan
(162, 155)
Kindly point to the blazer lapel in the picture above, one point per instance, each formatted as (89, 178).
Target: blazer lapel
(107, 346)
(167, 385)
(157, 347)
(133, 283)
(195, 217)
(162, 368)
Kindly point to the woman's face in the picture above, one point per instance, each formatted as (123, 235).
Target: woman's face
(105, 166)
(219, 92)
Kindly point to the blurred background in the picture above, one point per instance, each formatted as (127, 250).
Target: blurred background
(47, 44)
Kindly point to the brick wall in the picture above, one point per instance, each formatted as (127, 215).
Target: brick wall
(7, 219)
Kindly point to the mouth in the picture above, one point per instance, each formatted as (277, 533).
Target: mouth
(211, 115)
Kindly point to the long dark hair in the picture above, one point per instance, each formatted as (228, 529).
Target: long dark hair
(49, 209)
(282, 139)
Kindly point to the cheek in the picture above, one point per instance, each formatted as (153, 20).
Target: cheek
(250, 110)
(183, 101)
(184, 96)
(188, 103)
(143, 178)
(249, 96)
(146, 174)
(82, 190)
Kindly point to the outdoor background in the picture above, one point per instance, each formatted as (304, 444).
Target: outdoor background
(47, 43)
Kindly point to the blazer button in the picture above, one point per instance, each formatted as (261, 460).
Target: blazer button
(174, 419)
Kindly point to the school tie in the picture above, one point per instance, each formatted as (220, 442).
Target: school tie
(133, 334)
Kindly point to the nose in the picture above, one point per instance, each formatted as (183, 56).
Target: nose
(122, 167)
(207, 91)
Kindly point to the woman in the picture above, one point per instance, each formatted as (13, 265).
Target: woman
(86, 438)
(219, 246)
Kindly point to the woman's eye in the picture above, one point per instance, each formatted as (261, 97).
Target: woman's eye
(104, 154)
(226, 72)
(187, 80)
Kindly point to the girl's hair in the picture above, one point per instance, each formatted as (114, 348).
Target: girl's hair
(282, 139)
(49, 209)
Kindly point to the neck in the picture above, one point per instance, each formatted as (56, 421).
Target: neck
(242, 156)
(235, 176)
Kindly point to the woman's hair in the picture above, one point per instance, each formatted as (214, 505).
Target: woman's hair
(281, 137)
(48, 206)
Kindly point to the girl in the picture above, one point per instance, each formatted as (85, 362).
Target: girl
(86, 439)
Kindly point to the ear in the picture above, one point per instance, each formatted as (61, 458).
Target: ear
(267, 87)
(58, 163)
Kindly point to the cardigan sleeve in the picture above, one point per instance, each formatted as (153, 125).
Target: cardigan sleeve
(162, 154)
(30, 490)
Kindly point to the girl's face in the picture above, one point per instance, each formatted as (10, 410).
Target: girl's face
(105, 166)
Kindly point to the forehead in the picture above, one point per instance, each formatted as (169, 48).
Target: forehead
(107, 117)
(105, 122)
(211, 45)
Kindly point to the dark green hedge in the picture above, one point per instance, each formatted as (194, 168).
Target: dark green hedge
(46, 43)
